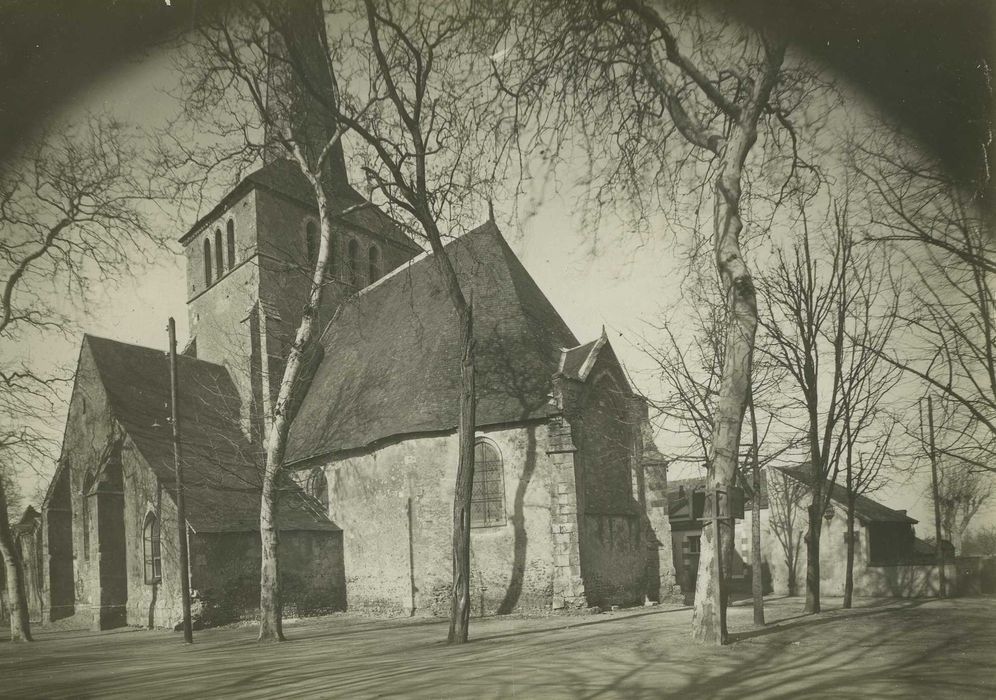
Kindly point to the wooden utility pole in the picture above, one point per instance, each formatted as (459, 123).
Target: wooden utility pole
(181, 511)
(939, 550)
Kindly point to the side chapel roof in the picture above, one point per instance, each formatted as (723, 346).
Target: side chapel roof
(390, 361)
(221, 477)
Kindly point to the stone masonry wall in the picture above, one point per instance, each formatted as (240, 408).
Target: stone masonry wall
(395, 503)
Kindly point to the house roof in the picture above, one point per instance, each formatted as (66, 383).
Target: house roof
(865, 509)
(285, 178)
(686, 497)
(221, 478)
(391, 358)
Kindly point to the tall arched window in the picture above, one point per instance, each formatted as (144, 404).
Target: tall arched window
(152, 549)
(207, 262)
(311, 241)
(374, 271)
(231, 244)
(318, 488)
(487, 505)
(353, 253)
(219, 253)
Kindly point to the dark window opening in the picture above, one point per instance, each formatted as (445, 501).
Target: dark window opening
(695, 544)
(152, 550)
(231, 244)
(219, 253)
(487, 506)
(207, 263)
(374, 265)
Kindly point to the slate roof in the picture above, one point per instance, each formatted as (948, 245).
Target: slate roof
(390, 360)
(865, 509)
(221, 479)
(284, 177)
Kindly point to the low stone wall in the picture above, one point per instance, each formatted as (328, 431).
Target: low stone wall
(225, 574)
(902, 581)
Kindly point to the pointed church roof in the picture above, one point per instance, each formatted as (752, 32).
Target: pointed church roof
(221, 477)
(285, 178)
(391, 358)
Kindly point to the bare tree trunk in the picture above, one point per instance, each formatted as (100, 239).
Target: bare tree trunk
(792, 584)
(708, 624)
(815, 515)
(849, 573)
(757, 560)
(20, 626)
(460, 603)
(270, 603)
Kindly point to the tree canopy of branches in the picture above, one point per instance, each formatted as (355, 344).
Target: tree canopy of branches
(829, 320)
(947, 316)
(683, 98)
(401, 81)
(73, 211)
(690, 373)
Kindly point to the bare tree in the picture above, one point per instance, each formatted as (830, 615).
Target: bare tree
(862, 475)
(72, 211)
(700, 90)
(962, 490)
(786, 500)
(690, 374)
(981, 542)
(400, 80)
(826, 305)
(938, 228)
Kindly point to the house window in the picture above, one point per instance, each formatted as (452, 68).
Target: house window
(153, 549)
(219, 253)
(231, 244)
(353, 253)
(318, 487)
(207, 262)
(311, 241)
(374, 266)
(695, 544)
(487, 506)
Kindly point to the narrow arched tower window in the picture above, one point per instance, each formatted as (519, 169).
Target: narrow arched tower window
(487, 505)
(231, 244)
(311, 241)
(152, 549)
(374, 266)
(219, 253)
(353, 253)
(207, 262)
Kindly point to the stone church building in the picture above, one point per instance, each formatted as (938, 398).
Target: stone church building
(569, 504)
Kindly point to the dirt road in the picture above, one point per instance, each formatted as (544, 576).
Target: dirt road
(884, 649)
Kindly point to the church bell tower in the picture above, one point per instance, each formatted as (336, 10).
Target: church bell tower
(250, 260)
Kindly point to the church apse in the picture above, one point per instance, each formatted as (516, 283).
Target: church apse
(613, 539)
